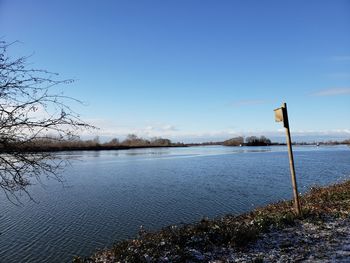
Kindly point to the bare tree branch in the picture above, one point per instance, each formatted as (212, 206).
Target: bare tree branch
(28, 113)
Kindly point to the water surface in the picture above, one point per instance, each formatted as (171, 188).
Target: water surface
(109, 194)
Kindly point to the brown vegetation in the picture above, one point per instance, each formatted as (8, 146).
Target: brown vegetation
(74, 143)
(248, 141)
(237, 141)
(335, 142)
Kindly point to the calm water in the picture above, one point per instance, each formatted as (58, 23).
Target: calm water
(109, 194)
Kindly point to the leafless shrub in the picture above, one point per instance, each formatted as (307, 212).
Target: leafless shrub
(29, 111)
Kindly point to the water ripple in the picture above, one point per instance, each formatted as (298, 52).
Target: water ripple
(112, 193)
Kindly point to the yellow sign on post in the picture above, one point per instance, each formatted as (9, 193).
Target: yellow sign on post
(282, 115)
(278, 115)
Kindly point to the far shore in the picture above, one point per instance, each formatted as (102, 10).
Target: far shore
(58, 148)
(132, 141)
(87, 148)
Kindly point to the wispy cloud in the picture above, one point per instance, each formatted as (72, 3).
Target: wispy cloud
(341, 58)
(110, 129)
(169, 128)
(242, 103)
(332, 132)
(332, 92)
(312, 135)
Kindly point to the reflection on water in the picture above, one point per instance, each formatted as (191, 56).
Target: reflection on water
(247, 150)
(96, 154)
(112, 193)
(159, 151)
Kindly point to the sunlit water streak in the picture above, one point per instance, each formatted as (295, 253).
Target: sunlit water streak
(108, 195)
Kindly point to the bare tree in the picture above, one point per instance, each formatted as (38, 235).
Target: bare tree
(29, 111)
(237, 141)
(256, 141)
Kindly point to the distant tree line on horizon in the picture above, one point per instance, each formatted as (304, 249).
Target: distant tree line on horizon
(53, 143)
(248, 141)
(347, 141)
(264, 141)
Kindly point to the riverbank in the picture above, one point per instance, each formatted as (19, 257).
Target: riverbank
(271, 233)
(106, 147)
(85, 148)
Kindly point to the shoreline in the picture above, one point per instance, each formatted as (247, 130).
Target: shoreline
(88, 148)
(258, 236)
(121, 147)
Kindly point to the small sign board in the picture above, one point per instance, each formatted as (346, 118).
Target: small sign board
(281, 116)
(278, 115)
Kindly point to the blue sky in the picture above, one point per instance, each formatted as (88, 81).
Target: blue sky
(194, 70)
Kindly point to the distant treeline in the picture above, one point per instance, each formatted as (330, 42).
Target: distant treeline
(263, 141)
(52, 143)
(239, 141)
(248, 141)
(335, 142)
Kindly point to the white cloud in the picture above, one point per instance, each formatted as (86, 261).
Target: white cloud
(333, 132)
(110, 129)
(332, 92)
(169, 128)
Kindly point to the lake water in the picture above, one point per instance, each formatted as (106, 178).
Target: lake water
(109, 194)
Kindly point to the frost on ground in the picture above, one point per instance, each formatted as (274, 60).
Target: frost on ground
(320, 241)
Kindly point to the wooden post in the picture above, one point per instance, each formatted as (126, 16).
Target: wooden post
(291, 161)
(281, 114)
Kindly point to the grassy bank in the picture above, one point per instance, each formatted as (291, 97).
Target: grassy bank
(178, 243)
